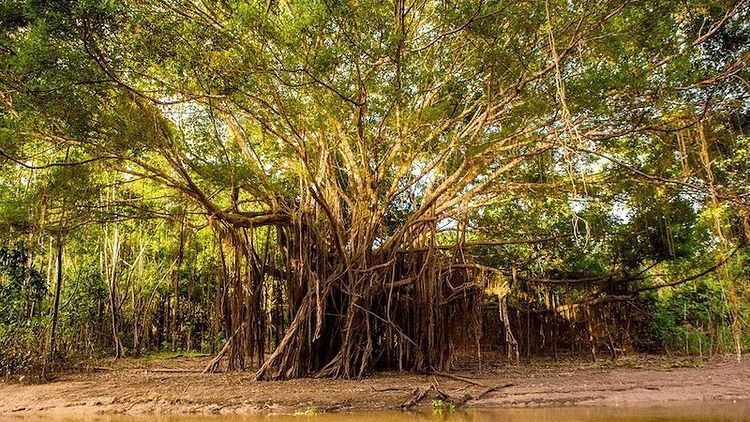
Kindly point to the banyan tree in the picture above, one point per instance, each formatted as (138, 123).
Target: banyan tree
(340, 150)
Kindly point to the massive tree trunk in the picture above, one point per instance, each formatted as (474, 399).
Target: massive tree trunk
(352, 309)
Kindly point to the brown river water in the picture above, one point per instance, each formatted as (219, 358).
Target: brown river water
(709, 411)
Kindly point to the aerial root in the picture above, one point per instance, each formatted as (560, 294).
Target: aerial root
(213, 366)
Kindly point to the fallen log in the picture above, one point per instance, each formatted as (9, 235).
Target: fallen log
(460, 378)
(417, 395)
(467, 398)
(176, 371)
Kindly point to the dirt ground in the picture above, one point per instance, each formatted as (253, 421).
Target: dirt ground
(176, 386)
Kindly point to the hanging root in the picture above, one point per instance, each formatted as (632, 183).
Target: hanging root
(280, 357)
(215, 363)
(401, 318)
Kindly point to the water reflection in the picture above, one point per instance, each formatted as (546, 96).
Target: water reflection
(693, 412)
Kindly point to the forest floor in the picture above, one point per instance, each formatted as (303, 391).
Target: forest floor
(176, 386)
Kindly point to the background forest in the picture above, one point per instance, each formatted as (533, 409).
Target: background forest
(334, 187)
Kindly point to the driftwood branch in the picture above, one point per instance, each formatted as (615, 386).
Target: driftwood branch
(420, 394)
(459, 378)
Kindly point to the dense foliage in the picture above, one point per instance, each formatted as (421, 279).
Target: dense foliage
(334, 187)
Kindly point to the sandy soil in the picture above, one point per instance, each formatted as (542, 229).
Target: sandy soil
(175, 386)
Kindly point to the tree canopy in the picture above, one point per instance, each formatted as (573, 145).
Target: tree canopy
(351, 183)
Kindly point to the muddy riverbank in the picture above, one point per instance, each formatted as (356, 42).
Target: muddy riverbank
(176, 386)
